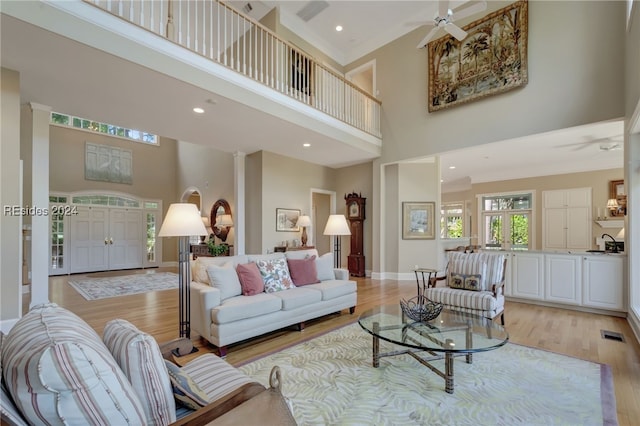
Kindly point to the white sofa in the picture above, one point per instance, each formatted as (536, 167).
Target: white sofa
(223, 321)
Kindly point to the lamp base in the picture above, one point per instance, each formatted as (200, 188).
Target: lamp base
(178, 347)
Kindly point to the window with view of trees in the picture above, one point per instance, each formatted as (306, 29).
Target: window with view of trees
(451, 220)
(108, 129)
(507, 221)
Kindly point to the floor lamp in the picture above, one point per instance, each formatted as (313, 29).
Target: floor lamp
(337, 226)
(182, 220)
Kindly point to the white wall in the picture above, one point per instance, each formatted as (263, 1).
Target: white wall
(10, 233)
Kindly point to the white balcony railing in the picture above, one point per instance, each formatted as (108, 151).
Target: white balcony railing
(218, 32)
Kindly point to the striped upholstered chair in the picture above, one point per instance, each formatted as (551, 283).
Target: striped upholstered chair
(57, 370)
(474, 282)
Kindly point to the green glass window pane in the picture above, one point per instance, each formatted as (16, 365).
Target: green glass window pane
(86, 124)
(58, 118)
(150, 205)
(77, 122)
(120, 132)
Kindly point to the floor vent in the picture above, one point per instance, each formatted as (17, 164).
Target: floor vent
(612, 335)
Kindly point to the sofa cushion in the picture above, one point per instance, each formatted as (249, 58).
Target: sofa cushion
(241, 307)
(298, 297)
(250, 279)
(324, 265)
(185, 389)
(270, 256)
(57, 368)
(476, 300)
(139, 357)
(199, 270)
(331, 289)
(303, 271)
(461, 268)
(275, 274)
(494, 265)
(225, 278)
(301, 254)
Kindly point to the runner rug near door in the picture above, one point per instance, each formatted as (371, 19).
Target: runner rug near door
(329, 380)
(101, 288)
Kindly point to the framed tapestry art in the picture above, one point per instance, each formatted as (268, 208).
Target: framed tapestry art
(492, 59)
(418, 220)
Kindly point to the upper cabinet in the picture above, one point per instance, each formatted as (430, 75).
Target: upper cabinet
(566, 219)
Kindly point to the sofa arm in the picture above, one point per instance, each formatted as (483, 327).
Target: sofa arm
(203, 299)
(341, 274)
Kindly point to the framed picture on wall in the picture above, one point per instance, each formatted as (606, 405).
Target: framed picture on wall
(418, 220)
(287, 220)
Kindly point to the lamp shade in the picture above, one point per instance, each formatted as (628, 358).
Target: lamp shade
(337, 225)
(225, 220)
(182, 220)
(304, 220)
(612, 203)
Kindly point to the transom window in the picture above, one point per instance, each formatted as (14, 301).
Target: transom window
(98, 127)
(106, 200)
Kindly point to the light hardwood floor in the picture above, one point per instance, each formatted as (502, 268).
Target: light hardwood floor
(559, 330)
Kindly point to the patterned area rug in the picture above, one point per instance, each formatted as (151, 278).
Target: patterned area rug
(101, 288)
(330, 380)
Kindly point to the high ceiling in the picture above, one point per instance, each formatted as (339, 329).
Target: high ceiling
(58, 72)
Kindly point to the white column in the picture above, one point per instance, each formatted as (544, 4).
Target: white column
(239, 162)
(40, 235)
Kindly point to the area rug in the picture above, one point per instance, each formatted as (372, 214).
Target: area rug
(329, 380)
(102, 288)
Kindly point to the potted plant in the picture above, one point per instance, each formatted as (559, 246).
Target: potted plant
(217, 249)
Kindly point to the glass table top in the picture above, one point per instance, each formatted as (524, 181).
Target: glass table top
(451, 331)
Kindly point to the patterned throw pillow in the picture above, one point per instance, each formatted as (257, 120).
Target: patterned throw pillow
(185, 390)
(473, 282)
(275, 274)
(456, 280)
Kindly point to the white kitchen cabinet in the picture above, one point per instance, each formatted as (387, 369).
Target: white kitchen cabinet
(527, 275)
(566, 219)
(603, 278)
(563, 278)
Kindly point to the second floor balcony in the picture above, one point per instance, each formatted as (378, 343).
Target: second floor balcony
(215, 49)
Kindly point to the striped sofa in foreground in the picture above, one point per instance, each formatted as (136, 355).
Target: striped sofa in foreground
(57, 370)
(474, 282)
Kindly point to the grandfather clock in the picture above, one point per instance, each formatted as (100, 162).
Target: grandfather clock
(355, 215)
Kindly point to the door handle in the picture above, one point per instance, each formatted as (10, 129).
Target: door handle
(106, 241)
(110, 240)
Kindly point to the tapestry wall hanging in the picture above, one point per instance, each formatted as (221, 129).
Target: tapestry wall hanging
(492, 59)
(108, 163)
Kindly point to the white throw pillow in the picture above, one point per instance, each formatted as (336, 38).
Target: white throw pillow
(324, 265)
(225, 279)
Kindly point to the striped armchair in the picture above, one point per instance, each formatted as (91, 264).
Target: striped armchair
(474, 282)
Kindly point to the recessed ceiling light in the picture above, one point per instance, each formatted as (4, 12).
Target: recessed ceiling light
(339, 28)
(306, 145)
(452, 167)
(198, 110)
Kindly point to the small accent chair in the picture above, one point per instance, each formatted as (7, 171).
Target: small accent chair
(474, 282)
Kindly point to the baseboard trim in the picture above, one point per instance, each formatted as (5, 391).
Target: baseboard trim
(634, 323)
(569, 307)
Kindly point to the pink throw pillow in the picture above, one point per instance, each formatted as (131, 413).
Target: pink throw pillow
(250, 279)
(303, 271)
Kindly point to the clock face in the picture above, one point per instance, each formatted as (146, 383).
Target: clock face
(354, 209)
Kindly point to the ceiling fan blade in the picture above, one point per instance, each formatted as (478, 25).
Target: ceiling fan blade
(425, 40)
(443, 8)
(455, 31)
(471, 8)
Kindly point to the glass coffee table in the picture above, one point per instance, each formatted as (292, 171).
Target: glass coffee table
(449, 335)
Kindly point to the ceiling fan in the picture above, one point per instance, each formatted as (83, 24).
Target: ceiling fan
(446, 17)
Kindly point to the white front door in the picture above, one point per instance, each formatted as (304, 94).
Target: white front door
(89, 240)
(125, 239)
